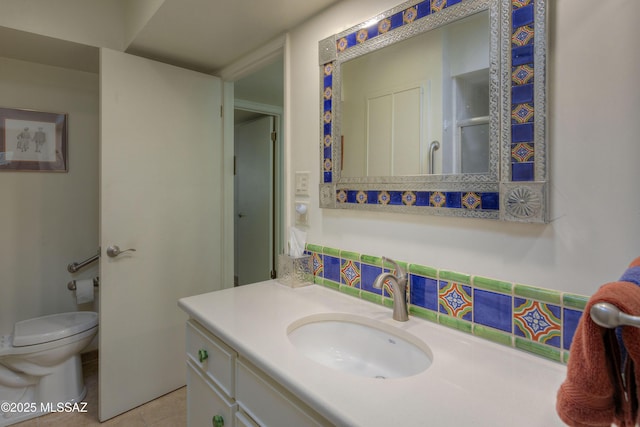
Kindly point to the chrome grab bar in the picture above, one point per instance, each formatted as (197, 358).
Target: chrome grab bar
(432, 148)
(72, 284)
(75, 266)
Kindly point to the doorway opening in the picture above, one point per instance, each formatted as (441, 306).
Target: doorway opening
(258, 160)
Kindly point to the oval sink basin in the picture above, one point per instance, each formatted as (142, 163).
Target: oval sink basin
(359, 346)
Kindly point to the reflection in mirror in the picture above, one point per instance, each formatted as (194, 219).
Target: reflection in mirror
(401, 101)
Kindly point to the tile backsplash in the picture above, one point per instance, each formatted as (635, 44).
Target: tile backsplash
(536, 320)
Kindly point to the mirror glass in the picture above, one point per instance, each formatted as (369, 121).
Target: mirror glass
(419, 106)
(437, 107)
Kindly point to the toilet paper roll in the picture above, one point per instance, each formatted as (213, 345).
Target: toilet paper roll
(84, 291)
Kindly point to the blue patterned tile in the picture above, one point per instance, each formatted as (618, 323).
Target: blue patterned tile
(350, 273)
(424, 8)
(522, 172)
(490, 201)
(522, 55)
(328, 81)
(522, 152)
(352, 196)
(424, 292)
(396, 20)
(453, 199)
(331, 268)
(522, 74)
(493, 309)
(369, 274)
(455, 300)
(522, 133)
(372, 197)
(422, 198)
(318, 265)
(522, 94)
(523, 36)
(396, 197)
(569, 325)
(537, 321)
(522, 16)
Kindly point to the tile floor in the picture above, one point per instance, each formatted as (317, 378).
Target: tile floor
(169, 410)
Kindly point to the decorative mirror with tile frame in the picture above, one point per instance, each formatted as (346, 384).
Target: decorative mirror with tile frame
(513, 183)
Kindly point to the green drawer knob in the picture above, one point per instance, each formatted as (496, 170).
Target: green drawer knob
(217, 421)
(203, 355)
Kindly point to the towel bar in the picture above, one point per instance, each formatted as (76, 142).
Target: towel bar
(609, 316)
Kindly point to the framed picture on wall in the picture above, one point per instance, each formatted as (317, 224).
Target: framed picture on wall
(33, 141)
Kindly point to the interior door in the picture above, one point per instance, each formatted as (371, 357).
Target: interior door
(160, 192)
(254, 200)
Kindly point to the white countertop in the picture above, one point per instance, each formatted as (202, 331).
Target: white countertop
(471, 381)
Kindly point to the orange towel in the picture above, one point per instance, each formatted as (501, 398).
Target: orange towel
(593, 393)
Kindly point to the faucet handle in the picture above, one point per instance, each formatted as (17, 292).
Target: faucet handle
(400, 272)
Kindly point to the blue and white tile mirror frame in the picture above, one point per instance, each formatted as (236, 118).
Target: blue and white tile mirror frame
(515, 189)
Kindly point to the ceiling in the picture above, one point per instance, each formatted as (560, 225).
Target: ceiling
(208, 35)
(203, 35)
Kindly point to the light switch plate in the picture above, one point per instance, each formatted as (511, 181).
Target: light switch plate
(302, 183)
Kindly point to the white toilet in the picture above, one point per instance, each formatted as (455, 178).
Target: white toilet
(40, 364)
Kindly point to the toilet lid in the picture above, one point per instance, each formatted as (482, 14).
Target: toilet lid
(53, 327)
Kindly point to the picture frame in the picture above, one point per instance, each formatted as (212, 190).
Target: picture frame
(33, 141)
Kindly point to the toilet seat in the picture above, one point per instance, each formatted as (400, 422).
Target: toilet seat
(53, 327)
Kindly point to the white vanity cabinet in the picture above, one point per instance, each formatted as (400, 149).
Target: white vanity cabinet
(221, 384)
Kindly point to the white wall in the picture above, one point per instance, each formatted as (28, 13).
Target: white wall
(594, 138)
(48, 219)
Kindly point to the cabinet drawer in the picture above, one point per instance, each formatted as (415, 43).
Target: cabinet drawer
(205, 402)
(244, 420)
(269, 404)
(212, 356)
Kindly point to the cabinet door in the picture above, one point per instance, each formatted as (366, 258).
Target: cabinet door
(205, 402)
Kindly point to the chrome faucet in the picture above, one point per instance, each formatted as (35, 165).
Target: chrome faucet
(399, 285)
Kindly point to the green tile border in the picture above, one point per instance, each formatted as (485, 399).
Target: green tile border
(423, 313)
(492, 335)
(540, 294)
(313, 248)
(577, 302)
(548, 296)
(451, 276)
(492, 285)
(371, 260)
(545, 351)
(330, 284)
(331, 252)
(354, 292)
(353, 256)
(452, 322)
(402, 265)
(423, 271)
(371, 297)
(387, 302)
